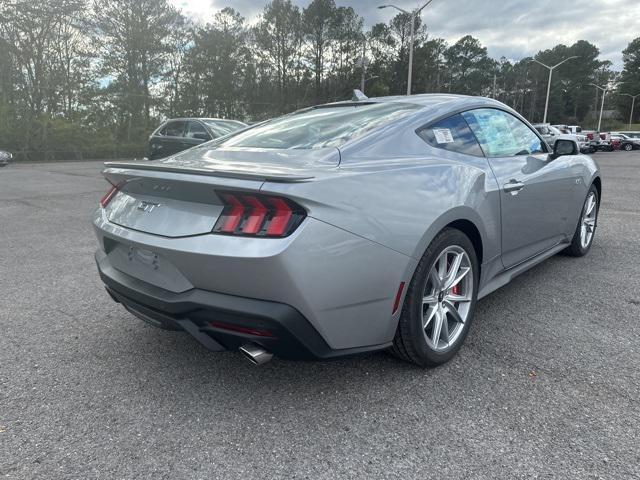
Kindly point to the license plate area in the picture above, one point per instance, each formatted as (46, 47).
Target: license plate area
(149, 266)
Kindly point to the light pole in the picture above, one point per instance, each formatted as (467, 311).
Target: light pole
(364, 64)
(604, 91)
(633, 104)
(413, 16)
(546, 103)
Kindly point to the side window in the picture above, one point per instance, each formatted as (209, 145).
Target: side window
(197, 130)
(451, 134)
(501, 134)
(174, 128)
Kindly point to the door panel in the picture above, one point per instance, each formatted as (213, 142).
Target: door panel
(535, 197)
(536, 192)
(168, 140)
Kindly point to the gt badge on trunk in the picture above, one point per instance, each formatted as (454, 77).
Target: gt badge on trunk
(147, 207)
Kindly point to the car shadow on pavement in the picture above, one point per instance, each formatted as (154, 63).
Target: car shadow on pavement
(153, 360)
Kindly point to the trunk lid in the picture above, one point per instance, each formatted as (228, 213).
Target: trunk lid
(176, 196)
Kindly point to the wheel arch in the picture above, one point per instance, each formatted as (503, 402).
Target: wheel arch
(462, 218)
(471, 231)
(597, 182)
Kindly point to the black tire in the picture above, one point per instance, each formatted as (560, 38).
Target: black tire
(575, 249)
(628, 147)
(409, 343)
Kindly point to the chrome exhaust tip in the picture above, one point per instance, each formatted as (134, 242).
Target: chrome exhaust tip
(255, 353)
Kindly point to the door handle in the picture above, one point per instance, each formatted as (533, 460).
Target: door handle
(513, 187)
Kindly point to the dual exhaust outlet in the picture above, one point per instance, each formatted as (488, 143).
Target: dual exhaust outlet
(255, 353)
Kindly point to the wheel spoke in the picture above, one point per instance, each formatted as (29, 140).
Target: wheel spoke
(437, 328)
(430, 300)
(442, 267)
(436, 281)
(453, 311)
(444, 331)
(462, 272)
(454, 271)
(453, 298)
(431, 314)
(591, 205)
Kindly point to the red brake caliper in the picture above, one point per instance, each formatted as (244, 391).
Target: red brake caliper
(456, 290)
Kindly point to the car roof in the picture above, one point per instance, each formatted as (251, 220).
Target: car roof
(219, 120)
(203, 119)
(431, 100)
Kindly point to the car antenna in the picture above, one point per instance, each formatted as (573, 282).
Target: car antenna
(358, 96)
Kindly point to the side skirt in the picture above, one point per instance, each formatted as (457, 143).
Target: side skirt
(505, 277)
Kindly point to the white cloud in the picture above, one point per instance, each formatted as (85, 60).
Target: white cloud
(510, 28)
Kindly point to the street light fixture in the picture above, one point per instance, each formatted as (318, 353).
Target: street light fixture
(633, 104)
(604, 94)
(413, 16)
(546, 103)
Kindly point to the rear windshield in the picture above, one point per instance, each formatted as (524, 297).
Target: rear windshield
(221, 127)
(321, 127)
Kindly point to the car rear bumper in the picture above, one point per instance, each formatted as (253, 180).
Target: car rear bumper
(221, 321)
(342, 284)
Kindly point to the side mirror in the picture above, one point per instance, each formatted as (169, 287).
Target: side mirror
(201, 136)
(565, 146)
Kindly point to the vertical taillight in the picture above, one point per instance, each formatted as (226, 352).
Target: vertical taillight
(104, 201)
(231, 215)
(281, 217)
(258, 215)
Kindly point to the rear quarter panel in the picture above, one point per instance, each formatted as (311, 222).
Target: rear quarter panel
(586, 170)
(399, 192)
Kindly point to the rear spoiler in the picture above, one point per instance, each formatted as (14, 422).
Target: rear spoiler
(267, 177)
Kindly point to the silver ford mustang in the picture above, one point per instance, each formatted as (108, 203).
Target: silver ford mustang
(344, 228)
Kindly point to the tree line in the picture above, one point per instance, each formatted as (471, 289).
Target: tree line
(93, 78)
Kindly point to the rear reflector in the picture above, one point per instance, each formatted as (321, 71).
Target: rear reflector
(240, 329)
(258, 215)
(104, 201)
(396, 303)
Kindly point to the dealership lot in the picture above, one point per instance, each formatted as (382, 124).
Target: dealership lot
(546, 385)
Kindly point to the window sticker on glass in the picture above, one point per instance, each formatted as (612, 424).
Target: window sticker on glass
(443, 135)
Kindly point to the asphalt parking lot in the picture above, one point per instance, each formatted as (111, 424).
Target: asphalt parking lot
(547, 385)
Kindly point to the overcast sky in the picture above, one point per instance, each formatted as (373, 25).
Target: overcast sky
(513, 28)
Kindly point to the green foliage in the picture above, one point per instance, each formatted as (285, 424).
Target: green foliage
(469, 67)
(630, 78)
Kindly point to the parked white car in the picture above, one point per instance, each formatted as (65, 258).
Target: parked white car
(5, 158)
(551, 134)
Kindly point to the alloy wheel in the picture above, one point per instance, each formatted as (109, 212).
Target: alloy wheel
(447, 298)
(588, 225)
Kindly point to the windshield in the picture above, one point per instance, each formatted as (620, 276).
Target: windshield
(320, 127)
